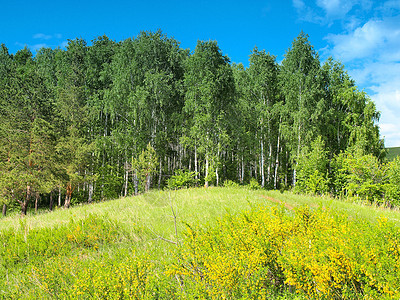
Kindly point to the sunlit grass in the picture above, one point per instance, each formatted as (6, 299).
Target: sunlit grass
(198, 205)
(153, 224)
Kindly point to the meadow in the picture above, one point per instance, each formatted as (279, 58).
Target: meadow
(214, 243)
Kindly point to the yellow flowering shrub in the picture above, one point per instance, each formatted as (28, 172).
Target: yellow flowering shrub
(263, 253)
(126, 276)
(316, 253)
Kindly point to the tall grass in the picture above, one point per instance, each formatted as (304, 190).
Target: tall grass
(140, 236)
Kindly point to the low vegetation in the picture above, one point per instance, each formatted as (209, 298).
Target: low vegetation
(214, 243)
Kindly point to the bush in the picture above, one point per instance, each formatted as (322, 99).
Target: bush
(312, 170)
(254, 185)
(266, 252)
(182, 179)
(230, 183)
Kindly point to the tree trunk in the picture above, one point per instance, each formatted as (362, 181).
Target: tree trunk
(216, 168)
(126, 177)
(147, 183)
(24, 208)
(269, 163)
(276, 164)
(262, 164)
(4, 210)
(195, 164)
(59, 196)
(207, 163)
(160, 174)
(37, 197)
(90, 196)
(242, 171)
(68, 196)
(298, 155)
(135, 182)
(24, 204)
(51, 201)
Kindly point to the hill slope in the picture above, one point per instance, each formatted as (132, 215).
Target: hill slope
(198, 242)
(393, 153)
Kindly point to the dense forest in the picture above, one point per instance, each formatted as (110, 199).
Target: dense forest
(107, 119)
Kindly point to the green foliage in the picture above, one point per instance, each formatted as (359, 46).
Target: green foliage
(391, 185)
(254, 184)
(312, 170)
(360, 176)
(182, 179)
(230, 183)
(74, 119)
(145, 166)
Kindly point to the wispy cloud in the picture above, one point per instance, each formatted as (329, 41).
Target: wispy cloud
(306, 13)
(64, 44)
(325, 12)
(42, 36)
(358, 44)
(349, 13)
(335, 9)
(376, 39)
(372, 55)
(369, 46)
(37, 47)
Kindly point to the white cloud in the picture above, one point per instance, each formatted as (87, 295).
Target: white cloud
(360, 43)
(305, 12)
(324, 12)
(36, 47)
(389, 6)
(371, 53)
(369, 47)
(64, 44)
(299, 4)
(335, 9)
(387, 100)
(42, 36)
(390, 133)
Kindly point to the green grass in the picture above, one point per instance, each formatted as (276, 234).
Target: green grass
(148, 223)
(197, 206)
(393, 152)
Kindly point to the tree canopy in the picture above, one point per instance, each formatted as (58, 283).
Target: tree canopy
(77, 121)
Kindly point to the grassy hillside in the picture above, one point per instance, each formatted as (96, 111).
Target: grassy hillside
(164, 244)
(393, 153)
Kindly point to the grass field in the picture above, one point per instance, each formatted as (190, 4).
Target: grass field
(146, 233)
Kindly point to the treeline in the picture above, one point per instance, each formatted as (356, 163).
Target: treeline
(113, 118)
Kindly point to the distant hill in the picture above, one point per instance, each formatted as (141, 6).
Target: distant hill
(392, 153)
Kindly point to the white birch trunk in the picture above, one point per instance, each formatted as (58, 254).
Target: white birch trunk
(276, 164)
(262, 164)
(207, 163)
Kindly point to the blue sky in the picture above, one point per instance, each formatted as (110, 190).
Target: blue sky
(363, 34)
